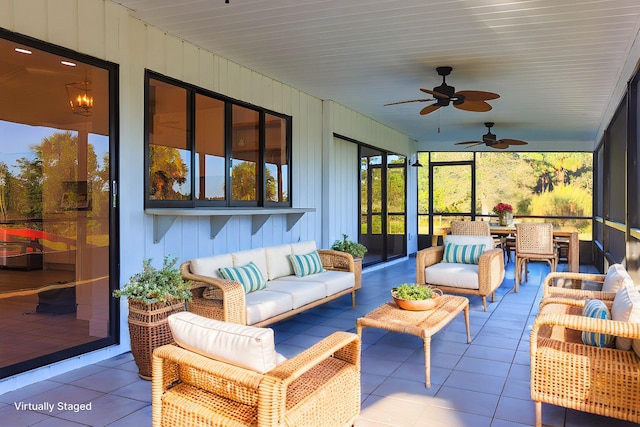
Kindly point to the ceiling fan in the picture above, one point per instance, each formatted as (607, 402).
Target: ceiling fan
(469, 100)
(491, 141)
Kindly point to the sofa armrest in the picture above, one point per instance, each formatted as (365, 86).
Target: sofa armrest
(490, 270)
(425, 258)
(336, 260)
(342, 345)
(231, 293)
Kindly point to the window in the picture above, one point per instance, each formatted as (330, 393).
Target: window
(204, 149)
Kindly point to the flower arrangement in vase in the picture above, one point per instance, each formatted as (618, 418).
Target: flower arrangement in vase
(504, 212)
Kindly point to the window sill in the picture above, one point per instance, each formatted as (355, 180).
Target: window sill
(164, 218)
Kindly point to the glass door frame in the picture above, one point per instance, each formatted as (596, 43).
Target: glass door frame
(384, 211)
(432, 213)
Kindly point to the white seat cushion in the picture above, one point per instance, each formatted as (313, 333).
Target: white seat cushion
(239, 345)
(257, 256)
(261, 305)
(455, 275)
(302, 293)
(208, 266)
(334, 281)
(278, 263)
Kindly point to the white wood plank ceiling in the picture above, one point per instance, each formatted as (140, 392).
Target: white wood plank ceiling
(560, 66)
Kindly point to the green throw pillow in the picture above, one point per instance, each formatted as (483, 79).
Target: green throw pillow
(598, 310)
(462, 254)
(304, 265)
(249, 276)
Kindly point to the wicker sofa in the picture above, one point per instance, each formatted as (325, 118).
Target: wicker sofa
(567, 372)
(481, 279)
(224, 374)
(285, 293)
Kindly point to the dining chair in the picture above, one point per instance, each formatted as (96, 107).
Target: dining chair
(534, 242)
(474, 228)
(470, 228)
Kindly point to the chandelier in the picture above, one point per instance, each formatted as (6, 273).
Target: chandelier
(80, 100)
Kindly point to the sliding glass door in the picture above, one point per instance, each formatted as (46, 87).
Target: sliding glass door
(382, 204)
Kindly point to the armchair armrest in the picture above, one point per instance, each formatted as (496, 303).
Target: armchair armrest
(490, 270)
(341, 345)
(550, 281)
(336, 260)
(425, 258)
(231, 293)
(582, 323)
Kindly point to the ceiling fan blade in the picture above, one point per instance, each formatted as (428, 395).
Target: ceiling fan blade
(513, 141)
(469, 142)
(406, 102)
(500, 146)
(477, 95)
(429, 109)
(477, 106)
(435, 94)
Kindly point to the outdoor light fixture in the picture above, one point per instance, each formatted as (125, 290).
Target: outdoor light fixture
(417, 163)
(80, 100)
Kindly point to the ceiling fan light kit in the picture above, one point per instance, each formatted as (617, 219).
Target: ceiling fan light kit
(445, 95)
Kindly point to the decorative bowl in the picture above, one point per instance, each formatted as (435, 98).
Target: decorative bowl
(418, 305)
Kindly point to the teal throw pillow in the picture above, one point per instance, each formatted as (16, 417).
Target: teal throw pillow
(249, 276)
(304, 265)
(462, 254)
(598, 310)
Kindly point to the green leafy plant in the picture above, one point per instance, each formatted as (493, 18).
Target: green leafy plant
(153, 285)
(356, 250)
(412, 291)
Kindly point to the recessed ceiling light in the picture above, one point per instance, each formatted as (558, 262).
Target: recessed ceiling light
(70, 64)
(21, 50)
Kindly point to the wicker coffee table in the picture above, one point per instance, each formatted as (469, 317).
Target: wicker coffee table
(423, 324)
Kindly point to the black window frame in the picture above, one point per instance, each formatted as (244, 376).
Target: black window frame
(228, 202)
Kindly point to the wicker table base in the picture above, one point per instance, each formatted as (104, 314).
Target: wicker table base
(422, 324)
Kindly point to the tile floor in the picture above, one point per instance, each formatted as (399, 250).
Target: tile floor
(485, 383)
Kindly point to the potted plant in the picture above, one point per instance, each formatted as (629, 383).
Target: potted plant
(153, 294)
(356, 250)
(411, 296)
(504, 212)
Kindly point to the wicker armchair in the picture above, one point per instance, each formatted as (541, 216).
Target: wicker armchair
(490, 272)
(534, 242)
(320, 386)
(568, 373)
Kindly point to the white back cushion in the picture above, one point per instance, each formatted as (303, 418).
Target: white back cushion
(487, 241)
(616, 278)
(258, 256)
(626, 308)
(245, 346)
(208, 266)
(303, 248)
(278, 265)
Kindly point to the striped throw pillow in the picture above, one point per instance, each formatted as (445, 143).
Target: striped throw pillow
(462, 254)
(249, 276)
(598, 310)
(304, 265)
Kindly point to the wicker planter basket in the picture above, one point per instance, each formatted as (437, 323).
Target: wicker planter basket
(148, 329)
